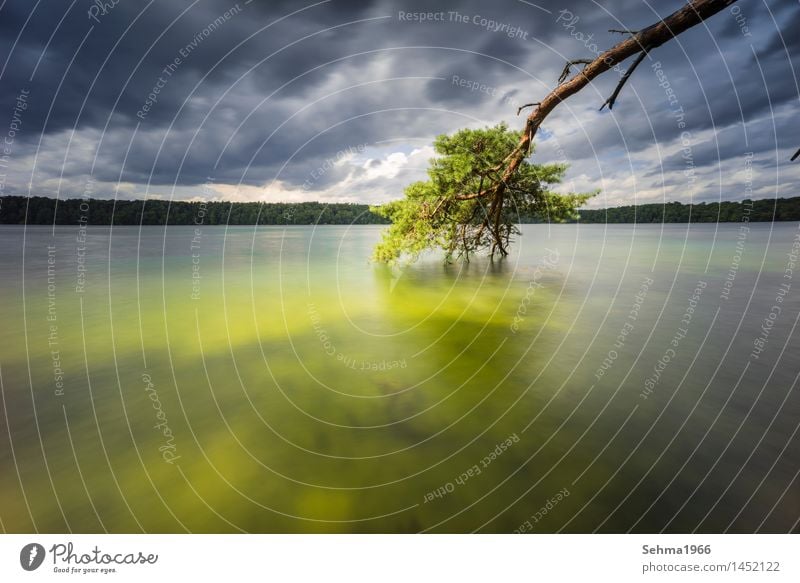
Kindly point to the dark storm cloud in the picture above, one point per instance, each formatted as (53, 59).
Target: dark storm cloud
(759, 137)
(785, 38)
(259, 94)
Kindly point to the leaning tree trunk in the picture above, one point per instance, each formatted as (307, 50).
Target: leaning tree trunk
(640, 42)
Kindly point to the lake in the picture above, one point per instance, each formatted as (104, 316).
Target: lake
(602, 378)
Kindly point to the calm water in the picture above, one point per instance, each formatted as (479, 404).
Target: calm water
(602, 378)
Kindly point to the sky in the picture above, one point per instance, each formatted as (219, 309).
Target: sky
(340, 101)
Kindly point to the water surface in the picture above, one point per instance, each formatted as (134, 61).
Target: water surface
(272, 379)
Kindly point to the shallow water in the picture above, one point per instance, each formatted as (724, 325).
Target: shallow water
(274, 380)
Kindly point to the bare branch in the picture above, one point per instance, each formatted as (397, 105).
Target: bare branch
(638, 44)
(796, 154)
(623, 31)
(611, 100)
(565, 72)
(655, 35)
(521, 107)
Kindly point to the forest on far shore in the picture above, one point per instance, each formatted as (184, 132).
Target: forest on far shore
(15, 210)
(39, 210)
(768, 209)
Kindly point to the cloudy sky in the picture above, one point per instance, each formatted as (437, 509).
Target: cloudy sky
(340, 100)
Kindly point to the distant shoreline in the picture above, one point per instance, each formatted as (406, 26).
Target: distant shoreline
(19, 210)
(757, 211)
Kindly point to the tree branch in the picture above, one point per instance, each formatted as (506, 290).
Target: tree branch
(638, 43)
(611, 100)
(796, 154)
(565, 72)
(475, 195)
(655, 35)
(521, 107)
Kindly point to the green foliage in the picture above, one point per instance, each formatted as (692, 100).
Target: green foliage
(459, 210)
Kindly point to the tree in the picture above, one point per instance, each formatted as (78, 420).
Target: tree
(431, 214)
(435, 214)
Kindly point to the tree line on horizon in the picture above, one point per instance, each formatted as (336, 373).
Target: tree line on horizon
(768, 209)
(19, 210)
(38, 210)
